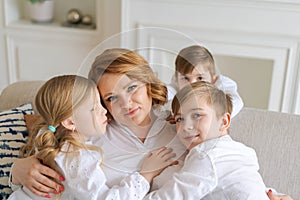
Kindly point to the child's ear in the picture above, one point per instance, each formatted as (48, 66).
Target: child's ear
(68, 123)
(226, 120)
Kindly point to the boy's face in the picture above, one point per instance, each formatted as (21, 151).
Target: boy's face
(197, 122)
(199, 73)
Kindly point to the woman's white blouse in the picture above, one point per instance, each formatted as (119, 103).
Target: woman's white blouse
(217, 169)
(124, 152)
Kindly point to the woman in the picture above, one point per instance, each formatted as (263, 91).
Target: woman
(132, 95)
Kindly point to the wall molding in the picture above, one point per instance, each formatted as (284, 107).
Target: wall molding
(262, 29)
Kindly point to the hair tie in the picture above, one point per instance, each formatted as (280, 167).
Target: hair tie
(52, 128)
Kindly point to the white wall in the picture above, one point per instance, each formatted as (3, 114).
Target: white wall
(240, 33)
(3, 61)
(31, 51)
(263, 30)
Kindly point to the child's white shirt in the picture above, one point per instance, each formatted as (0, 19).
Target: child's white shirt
(223, 83)
(217, 169)
(85, 180)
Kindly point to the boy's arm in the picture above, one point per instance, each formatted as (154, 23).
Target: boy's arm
(189, 183)
(230, 87)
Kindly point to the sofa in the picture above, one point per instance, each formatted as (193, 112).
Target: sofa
(275, 137)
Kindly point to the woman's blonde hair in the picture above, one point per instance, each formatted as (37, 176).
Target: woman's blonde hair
(124, 61)
(214, 97)
(55, 102)
(189, 57)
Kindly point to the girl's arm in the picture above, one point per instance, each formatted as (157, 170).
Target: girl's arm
(85, 178)
(31, 173)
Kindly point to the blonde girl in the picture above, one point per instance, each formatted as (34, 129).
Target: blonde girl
(71, 116)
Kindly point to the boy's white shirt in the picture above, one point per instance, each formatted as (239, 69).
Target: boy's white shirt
(216, 169)
(85, 180)
(223, 83)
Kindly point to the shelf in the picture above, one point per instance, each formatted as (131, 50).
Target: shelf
(16, 15)
(56, 26)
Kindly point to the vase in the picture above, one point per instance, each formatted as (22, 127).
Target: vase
(41, 12)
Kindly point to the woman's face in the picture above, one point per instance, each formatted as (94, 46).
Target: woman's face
(127, 100)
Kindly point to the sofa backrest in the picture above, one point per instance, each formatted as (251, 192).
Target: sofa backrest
(18, 93)
(276, 138)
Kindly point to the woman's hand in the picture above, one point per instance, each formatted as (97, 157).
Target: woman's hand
(30, 173)
(171, 119)
(277, 197)
(156, 162)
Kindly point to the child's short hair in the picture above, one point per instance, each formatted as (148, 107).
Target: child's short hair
(189, 57)
(215, 97)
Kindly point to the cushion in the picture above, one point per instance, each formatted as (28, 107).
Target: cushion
(31, 120)
(13, 134)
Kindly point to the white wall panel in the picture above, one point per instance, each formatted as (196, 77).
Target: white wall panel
(259, 29)
(30, 59)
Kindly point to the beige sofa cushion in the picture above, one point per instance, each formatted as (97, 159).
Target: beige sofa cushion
(276, 138)
(18, 93)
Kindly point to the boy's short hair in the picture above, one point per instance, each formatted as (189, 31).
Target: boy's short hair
(189, 57)
(221, 102)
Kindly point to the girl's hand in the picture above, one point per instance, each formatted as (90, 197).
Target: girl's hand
(30, 173)
(277, 197)
(156, 162)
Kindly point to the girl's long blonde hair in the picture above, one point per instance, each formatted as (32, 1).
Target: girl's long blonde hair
(55, 102)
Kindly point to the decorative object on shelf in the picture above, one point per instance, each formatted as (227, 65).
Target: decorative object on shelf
(87, 20)
(74, 16)
(77, 20)
(41, 11)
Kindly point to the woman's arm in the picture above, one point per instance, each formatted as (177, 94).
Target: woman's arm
(31, 173)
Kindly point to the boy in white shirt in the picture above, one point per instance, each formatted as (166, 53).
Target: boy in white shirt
(196, 63)
(216, 167)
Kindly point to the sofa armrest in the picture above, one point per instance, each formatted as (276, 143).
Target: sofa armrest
(276, 138)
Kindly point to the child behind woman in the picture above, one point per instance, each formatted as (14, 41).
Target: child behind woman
(72, 115)
(196, 63)
(216, 167)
